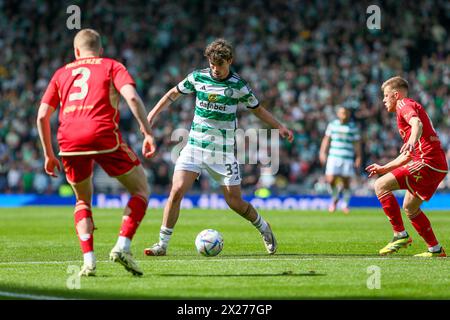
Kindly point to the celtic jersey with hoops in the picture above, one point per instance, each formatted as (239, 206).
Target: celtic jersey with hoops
(342, 137)
(216, 105)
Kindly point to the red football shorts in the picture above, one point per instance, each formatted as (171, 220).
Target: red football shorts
(116, 163)
(419, 179)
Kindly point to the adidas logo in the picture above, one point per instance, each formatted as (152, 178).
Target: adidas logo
(203, 88)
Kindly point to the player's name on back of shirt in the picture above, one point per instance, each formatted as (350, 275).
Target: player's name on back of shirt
(84, 61)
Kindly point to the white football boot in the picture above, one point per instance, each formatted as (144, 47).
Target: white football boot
(155, 250)
(87, 271)
(269, 240)
(125, 259)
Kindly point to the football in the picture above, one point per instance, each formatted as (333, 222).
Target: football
(209, 243)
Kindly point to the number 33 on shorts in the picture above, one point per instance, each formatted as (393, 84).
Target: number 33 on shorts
(233, 170)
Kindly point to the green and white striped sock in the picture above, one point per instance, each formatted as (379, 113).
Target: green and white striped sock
(260, 223)
(164, 236)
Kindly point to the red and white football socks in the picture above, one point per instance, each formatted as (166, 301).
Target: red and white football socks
(137, 205)
(423, 227)
(83, 211)
(392, 210)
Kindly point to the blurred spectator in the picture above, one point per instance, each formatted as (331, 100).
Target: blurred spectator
(14, 177)
(301, 58)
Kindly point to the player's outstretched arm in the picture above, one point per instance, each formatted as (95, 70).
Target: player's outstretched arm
(265, 116)
(170, 96)
(324, 149)
(43, 124)
(137, 108)
(401, 160)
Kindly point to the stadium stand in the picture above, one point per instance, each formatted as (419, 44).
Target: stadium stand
(301, 58)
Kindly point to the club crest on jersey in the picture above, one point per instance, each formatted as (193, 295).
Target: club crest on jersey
(212, 97)
(228, 92)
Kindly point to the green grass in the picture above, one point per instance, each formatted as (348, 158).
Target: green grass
(320, 256)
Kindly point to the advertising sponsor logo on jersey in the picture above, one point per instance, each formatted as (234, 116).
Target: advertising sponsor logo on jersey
(212, 106)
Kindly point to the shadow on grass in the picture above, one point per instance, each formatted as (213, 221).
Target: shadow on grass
(280, 256)
(310, 255)
(12, 292)
(282, 274)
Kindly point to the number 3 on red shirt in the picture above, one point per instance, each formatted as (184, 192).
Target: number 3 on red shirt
(80, 83)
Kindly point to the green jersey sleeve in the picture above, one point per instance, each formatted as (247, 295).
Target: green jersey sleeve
(187, 85)
(248, 99)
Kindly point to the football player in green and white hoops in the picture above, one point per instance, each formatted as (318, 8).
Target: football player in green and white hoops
(342, 141)
(219, 92)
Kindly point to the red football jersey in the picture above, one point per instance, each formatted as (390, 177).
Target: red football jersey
(428, 149)
(87, 91)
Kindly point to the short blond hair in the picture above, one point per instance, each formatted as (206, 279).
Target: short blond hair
(396, 83)
(219, 51)
(87, 39)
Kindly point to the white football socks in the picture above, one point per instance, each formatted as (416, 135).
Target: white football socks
(164, 236)
(436, 248)
(123, 243)
(260, 223)
(334, 193)
(89, 258)
(401, 234)
(346, 193)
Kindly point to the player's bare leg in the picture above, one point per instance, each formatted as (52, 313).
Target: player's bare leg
(136, 184)
(233, 197)
(383, 189)
(84, 225)
(420, 222)
(346, 193)
(332, 182)
(182, 181)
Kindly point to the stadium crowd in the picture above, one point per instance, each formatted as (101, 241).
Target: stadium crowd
(301, 58)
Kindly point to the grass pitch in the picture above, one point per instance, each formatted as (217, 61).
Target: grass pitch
(320, 256)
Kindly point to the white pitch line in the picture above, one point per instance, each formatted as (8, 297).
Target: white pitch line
(273, 259)
(38, 262)
(29, 296)
(211, 260)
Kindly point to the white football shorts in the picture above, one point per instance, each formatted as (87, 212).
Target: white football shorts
(340, 167)
(222, 167)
